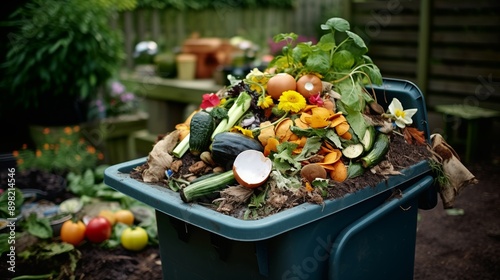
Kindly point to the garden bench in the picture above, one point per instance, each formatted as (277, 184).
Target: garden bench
(475, 120)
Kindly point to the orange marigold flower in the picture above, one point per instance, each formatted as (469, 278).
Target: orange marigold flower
(91, 149)
(15, 153)
(46, 146)
(100, 156)
(38, 153)
(46, 130)
(68, 130)
(76, 128)
(20, 161)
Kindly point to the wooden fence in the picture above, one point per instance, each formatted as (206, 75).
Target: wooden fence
(449, 48)
(169, 28)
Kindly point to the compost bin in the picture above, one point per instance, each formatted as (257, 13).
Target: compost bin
(368, 234)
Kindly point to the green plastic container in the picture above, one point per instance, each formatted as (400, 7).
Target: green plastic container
(364, 235)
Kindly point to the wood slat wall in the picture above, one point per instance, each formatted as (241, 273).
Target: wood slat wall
(464, 44)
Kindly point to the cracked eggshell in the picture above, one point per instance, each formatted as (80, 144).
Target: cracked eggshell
(251, 168)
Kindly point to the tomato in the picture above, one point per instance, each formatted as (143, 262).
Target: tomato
(134, 238)
(108, 214)
(98, 229)
(124, 216)
(73, 232)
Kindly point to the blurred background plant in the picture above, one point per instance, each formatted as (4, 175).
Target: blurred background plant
(68, 49)
(116, 100)
(59, 151)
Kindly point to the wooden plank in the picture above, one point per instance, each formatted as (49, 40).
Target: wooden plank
(396, 66)
(453, 5)
(463, 71)
(391, 5)
(387, 36)
(387, 21)
(383, 50)
(129, 38)
(473, 89)
(459, 36)
(466, 54)
(482, 20)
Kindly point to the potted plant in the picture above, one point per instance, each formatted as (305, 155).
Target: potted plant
(60, 53)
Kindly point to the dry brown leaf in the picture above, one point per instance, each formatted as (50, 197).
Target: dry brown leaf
(414, 136)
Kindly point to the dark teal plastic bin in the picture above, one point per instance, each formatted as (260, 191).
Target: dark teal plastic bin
(369, 234)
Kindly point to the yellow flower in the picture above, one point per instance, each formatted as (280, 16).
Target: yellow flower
(265, 101)
(257, 80)
(243, 131)
(291, 101)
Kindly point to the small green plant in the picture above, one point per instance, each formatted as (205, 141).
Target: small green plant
(60, 152)
(65, 48)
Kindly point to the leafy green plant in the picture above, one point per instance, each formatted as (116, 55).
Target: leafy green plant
(339, 57)
(65, 48)
(5, 203)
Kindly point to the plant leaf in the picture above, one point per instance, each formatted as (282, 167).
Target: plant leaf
(336, 23)
(318, 62)
(343, 60)
(358, 40)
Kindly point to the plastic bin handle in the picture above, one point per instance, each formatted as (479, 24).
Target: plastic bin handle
(339, 246)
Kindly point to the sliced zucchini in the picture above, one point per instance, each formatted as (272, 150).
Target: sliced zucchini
(378, 152)
(353, 150)
(368, 138)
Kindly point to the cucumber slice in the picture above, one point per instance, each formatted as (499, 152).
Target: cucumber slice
(368, 138)
(353, 150)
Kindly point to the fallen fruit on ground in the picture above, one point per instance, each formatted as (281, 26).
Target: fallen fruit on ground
(98, 229)
(134, 238)
(109, 215)
(73, 232)
(124, 216)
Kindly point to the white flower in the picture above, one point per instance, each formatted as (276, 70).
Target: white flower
(402, 117)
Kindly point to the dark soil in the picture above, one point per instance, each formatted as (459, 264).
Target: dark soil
(465, 247)
(447, 247)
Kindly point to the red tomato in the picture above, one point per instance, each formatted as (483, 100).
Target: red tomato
(98, 229)
(73, 232)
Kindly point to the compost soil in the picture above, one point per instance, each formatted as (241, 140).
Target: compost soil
(461, 245)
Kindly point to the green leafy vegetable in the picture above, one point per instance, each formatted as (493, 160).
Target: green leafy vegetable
(39, 227)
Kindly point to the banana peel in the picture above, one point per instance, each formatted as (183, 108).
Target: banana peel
(458, 176)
